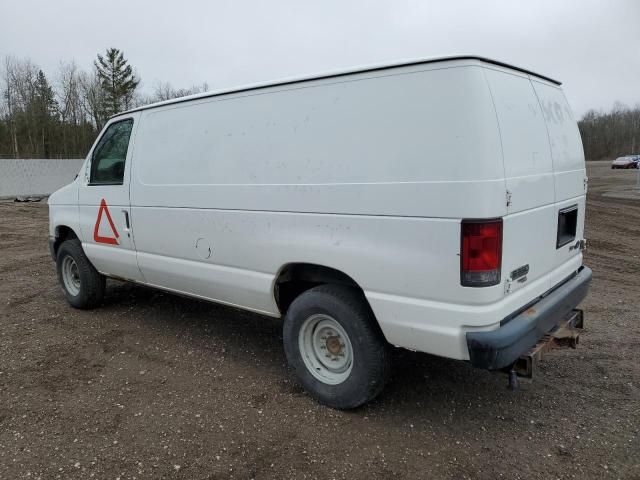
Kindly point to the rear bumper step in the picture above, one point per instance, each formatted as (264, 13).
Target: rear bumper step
(500, 348)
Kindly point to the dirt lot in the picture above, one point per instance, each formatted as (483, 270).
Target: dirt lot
(156, 386)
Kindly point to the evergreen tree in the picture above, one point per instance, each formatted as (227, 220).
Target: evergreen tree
(45, 109)
(117, 80)
(44, 96)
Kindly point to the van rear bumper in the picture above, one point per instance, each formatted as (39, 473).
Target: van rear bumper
(499, 348)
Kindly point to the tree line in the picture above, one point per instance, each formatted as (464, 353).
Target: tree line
(611, 134)
(60, 118)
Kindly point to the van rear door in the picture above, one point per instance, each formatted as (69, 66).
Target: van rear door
(570, 178)
(529, 229)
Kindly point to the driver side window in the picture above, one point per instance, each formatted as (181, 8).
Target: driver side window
(108, 159)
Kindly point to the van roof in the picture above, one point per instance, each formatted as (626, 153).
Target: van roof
(339, 73)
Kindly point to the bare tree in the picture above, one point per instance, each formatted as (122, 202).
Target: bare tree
(9, 104)
(38, 119)
(93, 99)
(611, 134)
(164, 91)
(70, 100)
(69, 94)
(20, 92)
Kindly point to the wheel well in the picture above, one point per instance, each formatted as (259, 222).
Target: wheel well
(296, 278)
(63, 233)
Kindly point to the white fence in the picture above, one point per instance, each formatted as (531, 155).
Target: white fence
(35, 176)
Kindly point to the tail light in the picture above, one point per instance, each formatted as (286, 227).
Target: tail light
(480, 252)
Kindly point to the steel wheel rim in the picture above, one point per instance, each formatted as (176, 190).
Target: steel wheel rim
(70, 275)
(326, 349)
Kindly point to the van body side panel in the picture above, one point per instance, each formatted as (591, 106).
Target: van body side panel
(368, 175)
(406, 257)
(412, 142)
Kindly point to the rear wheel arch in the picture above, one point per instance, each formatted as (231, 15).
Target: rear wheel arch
(294, 279)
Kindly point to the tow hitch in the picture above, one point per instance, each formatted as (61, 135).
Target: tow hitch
(565, 334)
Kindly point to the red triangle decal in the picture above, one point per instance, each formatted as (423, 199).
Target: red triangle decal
(109, 240)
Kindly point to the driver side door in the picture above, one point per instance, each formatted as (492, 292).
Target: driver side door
(104, 204)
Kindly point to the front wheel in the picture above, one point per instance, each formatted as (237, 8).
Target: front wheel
(82, 284)
(332, 341)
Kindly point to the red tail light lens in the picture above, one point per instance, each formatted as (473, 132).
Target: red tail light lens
(481, 252)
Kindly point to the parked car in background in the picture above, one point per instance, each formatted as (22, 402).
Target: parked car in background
(628, 161)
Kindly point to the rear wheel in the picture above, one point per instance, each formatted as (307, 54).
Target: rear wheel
(81, 283)
(334, 344)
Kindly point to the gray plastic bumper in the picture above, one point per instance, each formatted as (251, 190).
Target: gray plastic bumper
(500, 348)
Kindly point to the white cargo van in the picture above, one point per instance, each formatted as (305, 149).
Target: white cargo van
(434, 205)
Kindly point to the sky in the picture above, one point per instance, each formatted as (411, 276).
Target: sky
(592, 46)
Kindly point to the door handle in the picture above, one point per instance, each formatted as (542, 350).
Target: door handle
(126, 221)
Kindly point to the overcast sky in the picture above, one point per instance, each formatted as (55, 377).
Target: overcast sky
(592, 46)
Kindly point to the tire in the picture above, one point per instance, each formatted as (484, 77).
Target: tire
(344, 313)
(81, 283)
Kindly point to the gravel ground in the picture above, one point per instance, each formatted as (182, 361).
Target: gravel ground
(157, 386)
